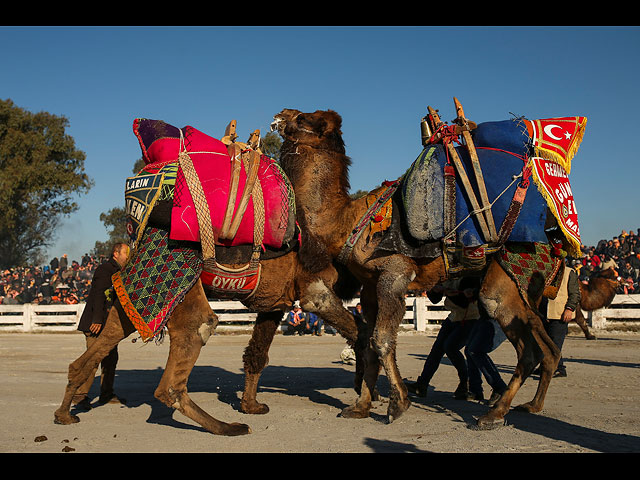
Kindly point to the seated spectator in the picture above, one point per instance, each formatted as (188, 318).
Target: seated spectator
(296, 321)
(592, 259)
(634, 261)
(315, 324)
(615, 252)
(584, 273)
(10, 297)
(627, 272)
(608, 262)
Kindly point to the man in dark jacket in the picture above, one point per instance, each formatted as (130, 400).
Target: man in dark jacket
(91, 323)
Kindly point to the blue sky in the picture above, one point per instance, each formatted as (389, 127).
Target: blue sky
(379, 79)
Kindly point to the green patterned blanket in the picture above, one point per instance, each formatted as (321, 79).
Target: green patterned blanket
(532, 266)
(155, 280)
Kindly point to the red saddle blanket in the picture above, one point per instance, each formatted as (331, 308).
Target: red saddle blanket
(161, 143)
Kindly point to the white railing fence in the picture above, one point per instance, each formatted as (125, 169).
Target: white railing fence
(420, 315)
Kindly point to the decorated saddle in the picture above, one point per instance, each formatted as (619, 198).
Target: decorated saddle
(443, 210)
(510, 152)
(195, 199)
(161, 145)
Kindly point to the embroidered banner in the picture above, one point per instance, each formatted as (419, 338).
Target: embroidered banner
(140, 194)
(235, 284)
(553, 183)
(557, 138)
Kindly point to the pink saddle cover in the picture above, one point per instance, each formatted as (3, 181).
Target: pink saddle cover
(161, 144)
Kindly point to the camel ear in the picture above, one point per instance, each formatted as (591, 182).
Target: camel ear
(322, 123)
(334, 121)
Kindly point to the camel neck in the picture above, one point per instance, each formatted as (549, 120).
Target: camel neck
(320, 181)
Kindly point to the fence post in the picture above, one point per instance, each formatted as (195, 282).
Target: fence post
(420, 314)
(597, 319)
(26, 317)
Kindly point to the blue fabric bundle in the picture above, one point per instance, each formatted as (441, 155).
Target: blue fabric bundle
(423, 187)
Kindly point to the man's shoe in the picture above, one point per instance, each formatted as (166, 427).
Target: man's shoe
(475, 396)
(560, 373)
(418, 389)
(495, 396)
(461, 391)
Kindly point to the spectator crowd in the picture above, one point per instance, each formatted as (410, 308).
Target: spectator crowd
(59, 282)
(621, 252)
(64, 282)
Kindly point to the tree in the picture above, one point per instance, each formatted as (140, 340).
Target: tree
(358, 194)
(40, 173)
(270, 145)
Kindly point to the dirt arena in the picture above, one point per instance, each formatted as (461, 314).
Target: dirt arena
(595, 409)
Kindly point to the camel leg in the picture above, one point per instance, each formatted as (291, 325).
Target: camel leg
(318, 298)
(388, 313)
(369, 362)
(548, 365)
(256, 358)
(83, 367)
(189, 328)
(391, 288)
(582, 323)
(522, 326)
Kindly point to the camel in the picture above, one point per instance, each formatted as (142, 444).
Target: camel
(313, 156)
(597, 293)
(282, 281)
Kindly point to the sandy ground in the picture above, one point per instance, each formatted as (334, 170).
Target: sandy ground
(595, 409)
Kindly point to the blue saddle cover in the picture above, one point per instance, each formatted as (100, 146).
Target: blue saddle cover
(423, 187)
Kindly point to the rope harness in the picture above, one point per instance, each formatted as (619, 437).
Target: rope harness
(237, 283)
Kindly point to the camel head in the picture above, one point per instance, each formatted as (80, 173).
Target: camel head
(320, 129)
(600, 289)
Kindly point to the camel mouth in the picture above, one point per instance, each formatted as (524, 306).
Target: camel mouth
(275, 125)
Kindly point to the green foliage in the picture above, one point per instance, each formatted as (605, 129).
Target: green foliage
(358, 194)
(115, 220)
(41, 172)
(270, 145)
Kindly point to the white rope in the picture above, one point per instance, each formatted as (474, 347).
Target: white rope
(480, 210)
(183, 149)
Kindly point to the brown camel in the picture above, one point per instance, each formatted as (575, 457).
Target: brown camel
(597, 293)
(282, 281)
(314, 159)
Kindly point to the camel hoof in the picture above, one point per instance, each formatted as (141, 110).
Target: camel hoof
(527, 407)
(354, 411)
(488, 422)
(396, 410)
(236, 429)
(67, 419)
(255, 408)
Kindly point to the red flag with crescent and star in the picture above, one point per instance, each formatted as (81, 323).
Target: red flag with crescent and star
(557, 138)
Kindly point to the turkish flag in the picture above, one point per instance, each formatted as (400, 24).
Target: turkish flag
(557, 138)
